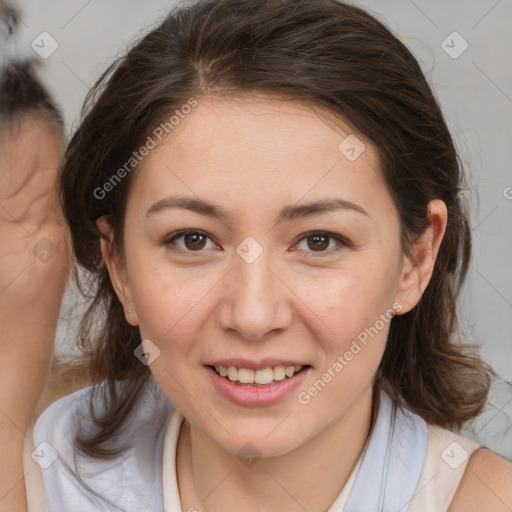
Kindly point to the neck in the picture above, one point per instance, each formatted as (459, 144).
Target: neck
(309, 477)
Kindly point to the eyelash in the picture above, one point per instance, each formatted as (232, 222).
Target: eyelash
(343, 242)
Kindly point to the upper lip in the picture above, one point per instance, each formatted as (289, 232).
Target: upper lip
(240, 362)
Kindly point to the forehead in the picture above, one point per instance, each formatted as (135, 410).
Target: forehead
(243, 149)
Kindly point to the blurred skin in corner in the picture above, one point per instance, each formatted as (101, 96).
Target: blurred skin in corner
(35, 259)
(199, 302)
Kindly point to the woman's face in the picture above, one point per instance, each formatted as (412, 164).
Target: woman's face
(253, 285)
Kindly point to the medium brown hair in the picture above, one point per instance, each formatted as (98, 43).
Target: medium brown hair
(333, 56)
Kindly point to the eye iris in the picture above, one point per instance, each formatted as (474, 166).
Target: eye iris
(194, 245)
(317, 238)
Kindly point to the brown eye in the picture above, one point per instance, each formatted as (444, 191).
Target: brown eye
(193, 241)
(319, 242)
(316, 242)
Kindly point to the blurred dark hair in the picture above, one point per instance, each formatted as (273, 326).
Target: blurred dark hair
(339, 59)
(10, 17)
(23, 95)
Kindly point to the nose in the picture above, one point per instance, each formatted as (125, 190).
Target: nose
(255, 301)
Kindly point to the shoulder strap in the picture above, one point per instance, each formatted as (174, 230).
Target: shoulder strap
(447, 457)
(392, 464)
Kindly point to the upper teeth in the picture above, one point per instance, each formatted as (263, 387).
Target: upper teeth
(263, 376)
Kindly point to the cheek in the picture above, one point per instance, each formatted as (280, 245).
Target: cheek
(356, 307)
(170, 306)
(349, 303)
(359, 318)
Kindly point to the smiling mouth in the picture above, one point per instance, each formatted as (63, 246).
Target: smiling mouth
(258, 378)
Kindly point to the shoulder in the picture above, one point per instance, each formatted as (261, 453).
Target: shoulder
(67, 414)
(445, 462)
(74, 480)
(485, 485)
(58, 420)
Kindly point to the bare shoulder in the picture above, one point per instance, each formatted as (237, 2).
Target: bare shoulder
(485, 485)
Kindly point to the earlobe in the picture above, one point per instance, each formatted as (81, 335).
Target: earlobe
(117, 271)
(417, 267)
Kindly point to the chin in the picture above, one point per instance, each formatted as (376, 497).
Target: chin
(270, 439)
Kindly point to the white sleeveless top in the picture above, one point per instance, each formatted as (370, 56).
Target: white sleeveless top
(445, 460)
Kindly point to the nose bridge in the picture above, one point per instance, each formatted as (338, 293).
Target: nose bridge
(255, 300)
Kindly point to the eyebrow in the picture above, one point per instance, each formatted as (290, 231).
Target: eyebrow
(287, 213)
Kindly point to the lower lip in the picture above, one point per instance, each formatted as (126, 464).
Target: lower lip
(256, 395)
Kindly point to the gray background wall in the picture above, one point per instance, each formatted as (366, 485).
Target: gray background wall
(474, 88)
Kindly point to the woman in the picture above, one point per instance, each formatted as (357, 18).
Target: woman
(35, 260)
(307, 357)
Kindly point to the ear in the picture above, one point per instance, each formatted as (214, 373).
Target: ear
(417, 268)
(117, 272)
